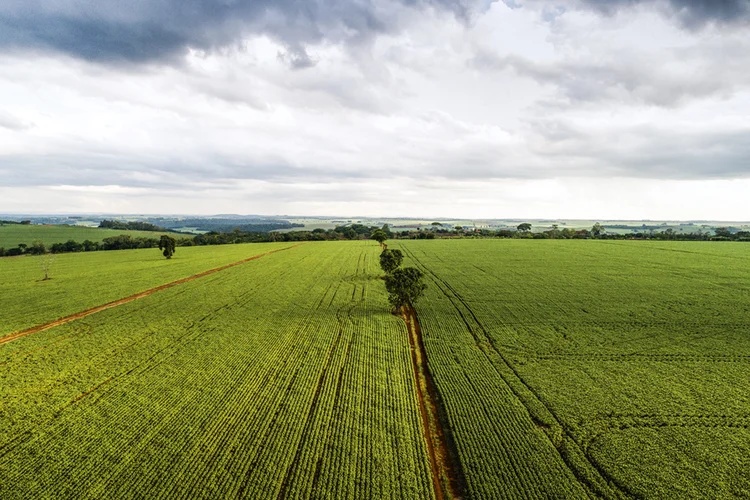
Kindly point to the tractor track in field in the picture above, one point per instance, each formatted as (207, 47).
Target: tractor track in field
(447, 474)
(451, 294)
(88, 312)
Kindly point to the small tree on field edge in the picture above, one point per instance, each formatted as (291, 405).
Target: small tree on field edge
(404, 287)
(390, 260)
(167, 245)
(379, 236)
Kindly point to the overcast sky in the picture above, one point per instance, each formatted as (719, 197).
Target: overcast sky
(542, 109)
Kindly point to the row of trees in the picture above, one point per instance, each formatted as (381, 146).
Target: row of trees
(121, 242)
(132, 225)
(380, 234)
(404, 285)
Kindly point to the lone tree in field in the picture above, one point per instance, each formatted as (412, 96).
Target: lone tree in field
(524, 227)
(167, 245)
(379, 236)
(597, 229)
(404, 287)
(46, 261)
(390, 260)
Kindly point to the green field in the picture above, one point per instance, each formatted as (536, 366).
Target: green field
(631, 359)
(564, 369)
(84, 280)
(11, 235)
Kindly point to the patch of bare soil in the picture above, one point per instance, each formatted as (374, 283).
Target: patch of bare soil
(447, 474)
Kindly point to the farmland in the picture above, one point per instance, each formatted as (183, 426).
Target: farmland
(13, 234)
(625, 363)
(562, 369)
(284, 376)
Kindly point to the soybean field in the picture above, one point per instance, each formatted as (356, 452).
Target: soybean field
(555, 369)
(605, 369)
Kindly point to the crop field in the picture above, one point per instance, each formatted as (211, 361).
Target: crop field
(284, 377)
(11, 235)
(618, 369)
(84, 280)
(559, 369)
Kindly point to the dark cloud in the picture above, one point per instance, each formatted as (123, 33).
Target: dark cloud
(692, 13)
(137, 31)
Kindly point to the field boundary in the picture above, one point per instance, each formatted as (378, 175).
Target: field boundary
(145, 293)
(447, 473)
(599, 486)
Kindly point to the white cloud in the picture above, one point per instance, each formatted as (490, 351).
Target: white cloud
(518, 112)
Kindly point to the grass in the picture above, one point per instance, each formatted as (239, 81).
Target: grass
(13, 234)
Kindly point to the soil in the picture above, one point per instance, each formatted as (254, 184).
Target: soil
(447, 474)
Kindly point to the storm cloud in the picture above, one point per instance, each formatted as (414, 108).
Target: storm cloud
(139, 31)
(386, 107)
(692, 13)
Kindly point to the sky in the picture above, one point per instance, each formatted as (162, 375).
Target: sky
(609, 109)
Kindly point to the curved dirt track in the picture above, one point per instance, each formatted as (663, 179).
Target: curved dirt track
(88, 312)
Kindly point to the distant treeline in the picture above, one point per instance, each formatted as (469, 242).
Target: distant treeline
(24, 222)
(227, 224)
(134, 226)
(668, 234)
(362, 232)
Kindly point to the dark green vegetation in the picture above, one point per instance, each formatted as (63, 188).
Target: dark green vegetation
(563, 369)
(613, 369)
(130, 225)
(167, 245)
(404, 286)
(390, 260)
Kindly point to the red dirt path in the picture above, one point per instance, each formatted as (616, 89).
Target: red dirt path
(88, 312)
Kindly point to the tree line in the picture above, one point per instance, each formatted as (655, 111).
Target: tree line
(131, 226)
(363, 232)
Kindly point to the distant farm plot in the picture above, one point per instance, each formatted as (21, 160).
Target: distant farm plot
(13, 234)
(561, 369)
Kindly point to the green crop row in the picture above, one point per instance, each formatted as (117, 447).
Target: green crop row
(573, 355)
(282, 377)
(84, 280)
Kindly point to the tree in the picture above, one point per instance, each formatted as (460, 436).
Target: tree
(404, 287)
(379, 236)
(524, 227)
(167, 245)
(723, 232)
(37, 248)
(597, 229)
(390, 260)
(46, 261)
